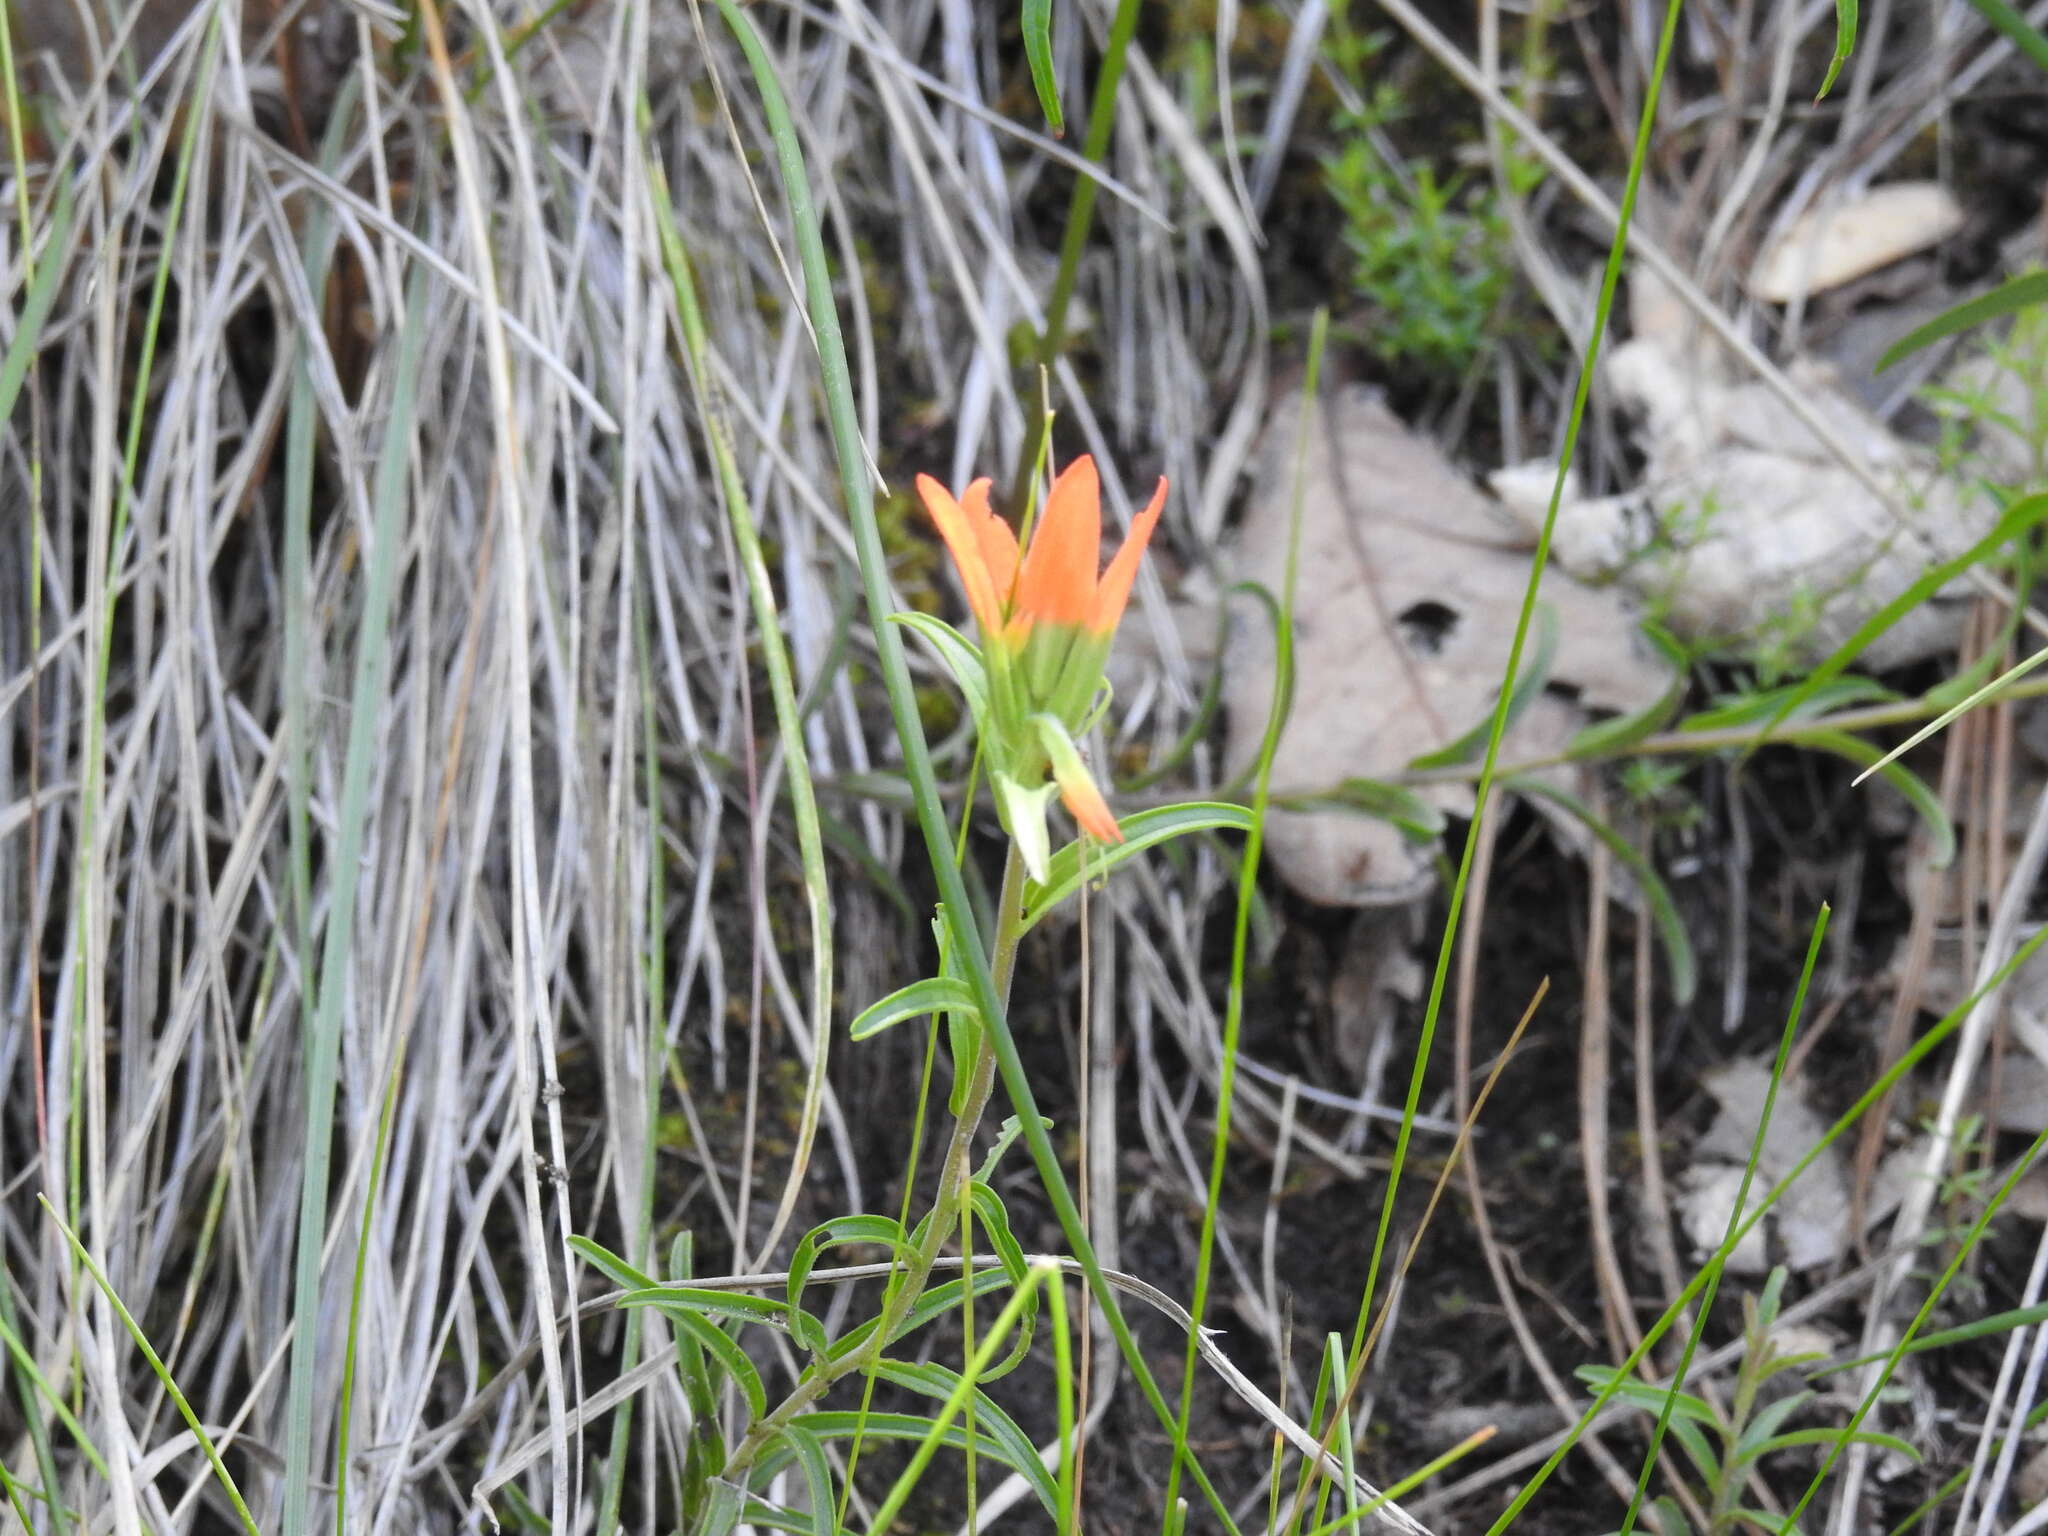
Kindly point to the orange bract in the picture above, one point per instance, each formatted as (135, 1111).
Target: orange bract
(1085, 804)
(1046, 616)
(981, 553)
(1055, 582)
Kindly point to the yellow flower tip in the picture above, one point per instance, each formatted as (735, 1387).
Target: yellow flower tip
(1115, 588)
(1056, 582)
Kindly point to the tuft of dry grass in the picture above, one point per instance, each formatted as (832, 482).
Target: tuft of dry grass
(545, 817)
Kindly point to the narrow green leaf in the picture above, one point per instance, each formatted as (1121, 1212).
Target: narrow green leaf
(35, 310)
(1394, 803)
(1698, 1450)
(323, 1021)
(724, 1348)
(722, 1509)
(941, 1382)
(1833, 1436)
(1955, 711)
(1998, 1322)
(2009, 297)
(676, 1300)
(1038, 49)
(935, 994)
(995, 1221)
(1663, 911)
(1648, 1395)
(957, 654)
(1845, 44)
(162, 1371)
(844, 1424)
(1006, 1137)
(1738, 710)
(772, 1516)
(1904, 780)
(1758, 1433)
(884, 1231)
(2017, 30)
(1142, 830)
(1604, 738)
(810, 1457)
(612, 1267)
(2019, 518)
(1527, 687)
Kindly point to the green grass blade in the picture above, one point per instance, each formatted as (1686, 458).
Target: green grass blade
(803, 798)
(1712, 1270)
(388, 501)
(1983, 1327)
(1247, 881)
(1924, 1046)
(1074, 238)
(163, 1375)
(1037, 21)
(1845, 44)
(1610, 283)
(2008, 298)
(1956, 711)
(42, 294)
(34, 1384)
(1851, 1432)
(2019, 519)
(2016, 29)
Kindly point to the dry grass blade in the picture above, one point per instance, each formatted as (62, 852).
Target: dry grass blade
(505, 1070)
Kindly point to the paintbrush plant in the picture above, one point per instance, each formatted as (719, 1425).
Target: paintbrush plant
(1046, 620)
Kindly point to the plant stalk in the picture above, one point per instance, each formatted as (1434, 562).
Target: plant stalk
(954, 1176)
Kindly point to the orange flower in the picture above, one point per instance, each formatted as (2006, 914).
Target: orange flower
(1046, 618)
(1055, 582)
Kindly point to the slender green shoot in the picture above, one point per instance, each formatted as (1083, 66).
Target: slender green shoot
(1714, 1265)
(1247, 883)
(163, 1374)
(1609, 283)
(803, 796)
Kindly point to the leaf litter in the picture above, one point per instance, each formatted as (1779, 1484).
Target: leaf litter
(1408, 586)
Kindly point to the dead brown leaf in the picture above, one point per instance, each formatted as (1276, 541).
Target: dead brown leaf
(1409, 584)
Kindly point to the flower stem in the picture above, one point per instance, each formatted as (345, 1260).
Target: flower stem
(954, 1175)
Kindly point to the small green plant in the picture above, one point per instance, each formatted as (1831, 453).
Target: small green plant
(1430, 254)
(1727, 1447)
(1994, 407)
(1426, 255)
